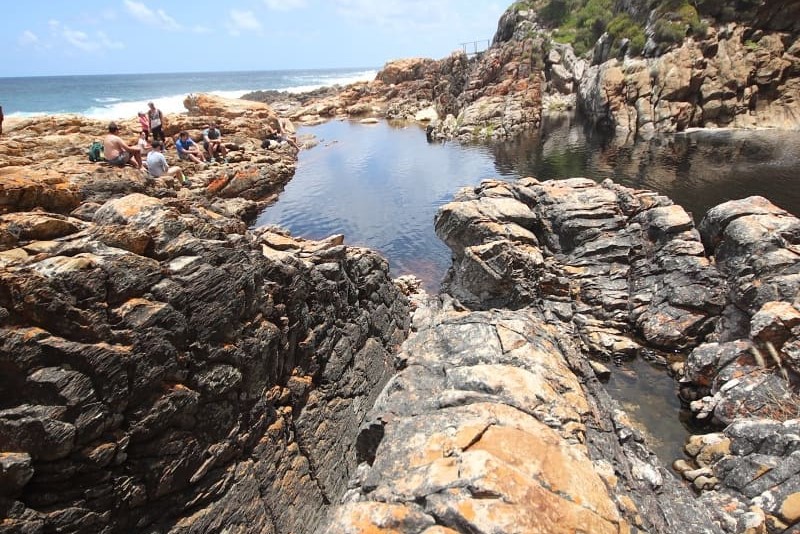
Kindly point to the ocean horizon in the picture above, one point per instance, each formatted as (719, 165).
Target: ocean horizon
(116, 96)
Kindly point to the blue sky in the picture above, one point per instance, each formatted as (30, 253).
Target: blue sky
(55, 37)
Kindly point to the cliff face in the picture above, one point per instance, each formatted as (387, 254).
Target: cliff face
(734, 77)
(739, 68)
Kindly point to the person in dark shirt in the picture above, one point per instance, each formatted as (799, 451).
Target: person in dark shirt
(212, 142)
(156, 119)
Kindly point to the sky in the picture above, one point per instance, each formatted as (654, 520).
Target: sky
(66, 37)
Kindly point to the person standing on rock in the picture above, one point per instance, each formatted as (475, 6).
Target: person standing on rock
(156, 121)
(144, 123)
(1, 120)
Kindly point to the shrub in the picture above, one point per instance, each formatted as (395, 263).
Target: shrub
(624, 27)
(668, 32)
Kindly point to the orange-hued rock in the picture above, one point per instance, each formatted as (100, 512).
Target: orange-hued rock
(44, 162)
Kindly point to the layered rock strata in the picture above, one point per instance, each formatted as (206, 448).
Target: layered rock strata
(496, 423)
(165, 369)
(495, 93)
(735, 76)
(593, 270)
(743, 72)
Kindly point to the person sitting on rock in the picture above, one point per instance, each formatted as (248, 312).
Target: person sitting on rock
(188, 149)
(157, 164)
(212, 142)
(118, 153)
(143, 145)
(278, 135)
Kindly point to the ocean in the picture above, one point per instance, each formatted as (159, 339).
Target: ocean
(123, 95)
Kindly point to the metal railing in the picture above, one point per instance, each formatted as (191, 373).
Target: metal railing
(475, 47)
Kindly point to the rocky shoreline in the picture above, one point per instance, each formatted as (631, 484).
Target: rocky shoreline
(742, 72)
(166, 368)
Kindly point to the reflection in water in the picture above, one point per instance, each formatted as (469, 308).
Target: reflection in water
(380, 185)
(697, 170)
(650, 397)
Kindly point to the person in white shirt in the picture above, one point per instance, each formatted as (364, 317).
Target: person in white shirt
(157, 164)
(143, 145)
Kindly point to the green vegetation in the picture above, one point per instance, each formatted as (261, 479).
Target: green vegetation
(727, 10)
(581, 22)
(623, 27)
(751, 45)
(677, 19)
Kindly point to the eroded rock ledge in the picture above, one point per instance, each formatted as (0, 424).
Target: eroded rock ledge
(496, 423)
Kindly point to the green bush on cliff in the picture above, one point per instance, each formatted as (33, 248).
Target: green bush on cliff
(581, 22)
(677, 18)
(624, 27)
(727, 10)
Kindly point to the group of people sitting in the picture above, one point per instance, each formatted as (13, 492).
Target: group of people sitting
(151, 154)
(213, 147)
(118, 153)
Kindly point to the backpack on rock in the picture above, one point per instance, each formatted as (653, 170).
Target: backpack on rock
(96, 152)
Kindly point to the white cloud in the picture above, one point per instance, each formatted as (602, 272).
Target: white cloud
(79, 39)
(106, 42)
(97, 42)
(400, 15)
(285, 5)
(28, 38)
(240, 21)
(157, 18)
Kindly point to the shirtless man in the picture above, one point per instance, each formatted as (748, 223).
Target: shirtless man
(118, 153)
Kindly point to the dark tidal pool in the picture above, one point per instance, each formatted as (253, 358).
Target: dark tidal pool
(381, 184)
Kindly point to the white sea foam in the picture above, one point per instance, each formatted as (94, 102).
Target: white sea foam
(118, 110)
(364, 76)
(113, 108)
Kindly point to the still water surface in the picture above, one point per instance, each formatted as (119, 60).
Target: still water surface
(381, 184)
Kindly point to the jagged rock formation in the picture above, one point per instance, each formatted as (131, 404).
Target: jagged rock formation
(43, 160)
(496, 93)
(742, 72)
(591, 270)
(163, 368)
(735, 77)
